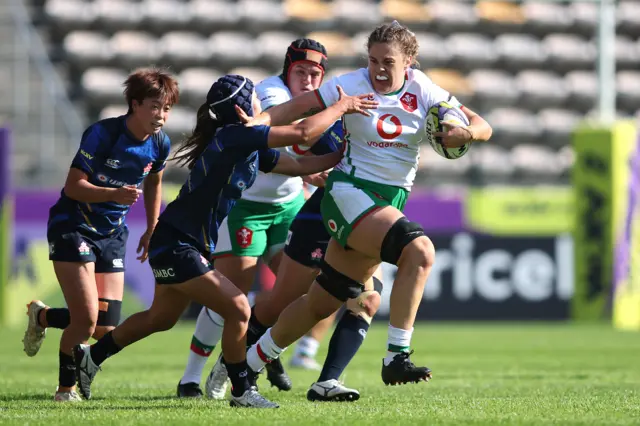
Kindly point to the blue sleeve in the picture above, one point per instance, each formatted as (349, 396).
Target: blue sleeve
(247, 139)
(94, 146)
(163, 154)
(267, 159)
(331, 141)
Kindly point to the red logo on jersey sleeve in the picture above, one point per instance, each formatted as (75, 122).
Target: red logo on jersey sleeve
(244, 236)
(409, 102)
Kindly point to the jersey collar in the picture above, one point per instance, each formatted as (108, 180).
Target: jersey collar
(404, 83)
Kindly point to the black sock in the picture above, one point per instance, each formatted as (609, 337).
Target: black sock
(57, 317)
(345, 342)
(255, 330)
(104, 348)
(239, 376)
(67, 370)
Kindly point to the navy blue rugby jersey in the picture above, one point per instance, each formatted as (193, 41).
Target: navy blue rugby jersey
(228, 166)
(111, 157)
(330, 141)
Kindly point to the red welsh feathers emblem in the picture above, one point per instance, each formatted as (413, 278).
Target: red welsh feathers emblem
(244, 236)
(409, 102)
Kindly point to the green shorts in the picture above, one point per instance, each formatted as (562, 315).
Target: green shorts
(347, 200)
(256, 229)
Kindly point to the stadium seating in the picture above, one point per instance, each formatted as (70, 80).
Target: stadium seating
(527, 66)
(410, 12)
(582, 87)
(218, 14)
(557, 125)
(134, 48)
(541, 88)
(493, 162)
(546, 17)
(628, 87)
(192, 80)
(628, 17)
(181, 48)
(493, 88)
(450, 16)
(116, 15)
(87, 48)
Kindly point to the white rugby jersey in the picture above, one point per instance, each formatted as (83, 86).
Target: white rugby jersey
(385, 148)
(273, 188)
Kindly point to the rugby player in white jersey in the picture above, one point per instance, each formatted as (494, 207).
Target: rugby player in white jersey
(365, 195)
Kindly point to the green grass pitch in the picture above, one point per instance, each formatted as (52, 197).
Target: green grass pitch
(484, 374)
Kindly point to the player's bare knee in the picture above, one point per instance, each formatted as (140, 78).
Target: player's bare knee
(84, 324)
(244, 309)
(238, 310)
(419, 253)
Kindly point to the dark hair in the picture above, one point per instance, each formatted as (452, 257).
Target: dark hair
(193, 147)
(396, 33)
(152, 82)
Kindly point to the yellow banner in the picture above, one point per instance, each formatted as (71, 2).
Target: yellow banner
(600, 178)
(523, 211)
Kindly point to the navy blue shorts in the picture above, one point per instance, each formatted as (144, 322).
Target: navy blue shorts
(67, 244)
(308, 238)
(174, 256)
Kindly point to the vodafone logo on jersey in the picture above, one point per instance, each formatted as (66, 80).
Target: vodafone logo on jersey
(389, 126)
(409, 102)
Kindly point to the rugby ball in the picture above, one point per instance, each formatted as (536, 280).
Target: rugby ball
(438, 116)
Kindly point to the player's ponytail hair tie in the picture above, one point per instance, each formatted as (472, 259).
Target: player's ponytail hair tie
(396, 24)
(227, 92)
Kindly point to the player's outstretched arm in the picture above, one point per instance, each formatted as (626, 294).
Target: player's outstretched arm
(308, 131)
(300, 166)
(299, 107)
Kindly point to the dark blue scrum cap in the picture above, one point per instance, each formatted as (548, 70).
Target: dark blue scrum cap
(227, 92)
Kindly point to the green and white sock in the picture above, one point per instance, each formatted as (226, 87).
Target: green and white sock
(205, 338)
(398, 341)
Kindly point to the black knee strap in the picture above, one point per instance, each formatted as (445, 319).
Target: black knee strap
(109, 312)
(377, 285)
(401, 233)
(337, 284)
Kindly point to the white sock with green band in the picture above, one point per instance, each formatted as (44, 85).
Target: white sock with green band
(398, 341)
